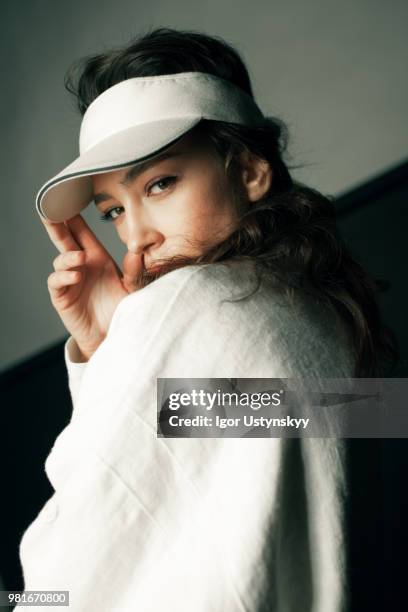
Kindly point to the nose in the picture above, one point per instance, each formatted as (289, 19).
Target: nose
(140, 233)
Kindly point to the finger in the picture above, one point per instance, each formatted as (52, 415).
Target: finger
(57, 281)
(132, 271)
(84, 235)
(69, 259)
(60, 236)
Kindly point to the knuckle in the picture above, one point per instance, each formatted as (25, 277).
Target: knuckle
(73, 258)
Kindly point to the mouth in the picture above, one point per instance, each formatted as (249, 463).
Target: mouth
(151, 269)
(154, 269)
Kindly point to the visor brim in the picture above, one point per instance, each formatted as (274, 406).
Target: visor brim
(70, 191)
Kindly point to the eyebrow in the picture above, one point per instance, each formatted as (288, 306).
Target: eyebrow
(135, 171)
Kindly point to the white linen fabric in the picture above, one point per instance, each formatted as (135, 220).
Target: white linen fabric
(141, 523)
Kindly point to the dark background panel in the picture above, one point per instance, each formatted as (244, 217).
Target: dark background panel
(35, 407)
(373, 222)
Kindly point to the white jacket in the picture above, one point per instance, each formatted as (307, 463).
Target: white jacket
(139, 523)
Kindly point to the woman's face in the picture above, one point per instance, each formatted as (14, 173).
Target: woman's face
(174, 205)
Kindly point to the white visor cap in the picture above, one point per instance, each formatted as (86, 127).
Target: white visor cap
(135, 120)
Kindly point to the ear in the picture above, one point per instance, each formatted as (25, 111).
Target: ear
(256, 174)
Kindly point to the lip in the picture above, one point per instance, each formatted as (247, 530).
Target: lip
(154, 268)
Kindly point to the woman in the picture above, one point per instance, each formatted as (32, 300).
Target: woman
(232, 270)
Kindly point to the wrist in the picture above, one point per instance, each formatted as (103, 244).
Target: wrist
(82, 357)
(76, 354)
(84, 353)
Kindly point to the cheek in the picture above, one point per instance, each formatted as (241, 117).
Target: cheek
(206, 204)
(184, 213)
(199, 209)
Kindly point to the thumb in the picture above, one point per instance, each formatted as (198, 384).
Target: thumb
(132, 271)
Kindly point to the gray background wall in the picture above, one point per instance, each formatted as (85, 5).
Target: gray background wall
(335, 72)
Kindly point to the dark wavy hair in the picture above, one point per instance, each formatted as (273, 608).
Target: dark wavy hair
(292, 231)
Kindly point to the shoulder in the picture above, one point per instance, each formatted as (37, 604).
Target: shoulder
(223, 305)
(191, 289)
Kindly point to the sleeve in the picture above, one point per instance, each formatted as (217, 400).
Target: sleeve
(138, 522)
(324, 461)
(123, 529)
(75, 367)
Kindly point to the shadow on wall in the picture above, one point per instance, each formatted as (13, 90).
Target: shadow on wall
(36, 406)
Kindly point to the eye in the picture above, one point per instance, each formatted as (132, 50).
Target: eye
(111, 214)
(162, 183)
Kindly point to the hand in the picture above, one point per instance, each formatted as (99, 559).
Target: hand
(87, 284)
